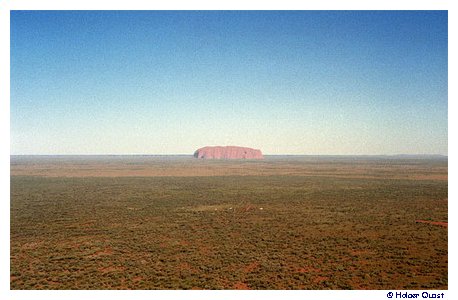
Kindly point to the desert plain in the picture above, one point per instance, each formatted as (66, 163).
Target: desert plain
(176, 222)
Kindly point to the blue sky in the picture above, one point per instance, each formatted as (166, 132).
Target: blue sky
(300, 82)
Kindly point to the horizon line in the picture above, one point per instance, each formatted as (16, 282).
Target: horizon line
(179, 154)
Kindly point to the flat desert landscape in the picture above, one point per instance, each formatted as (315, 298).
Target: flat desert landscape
(176, 222)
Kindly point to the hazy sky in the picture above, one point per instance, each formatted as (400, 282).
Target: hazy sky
(284, 82)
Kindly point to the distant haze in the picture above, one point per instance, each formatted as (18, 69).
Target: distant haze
(311, 82)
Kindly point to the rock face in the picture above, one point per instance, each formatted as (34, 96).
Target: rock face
(228, 152)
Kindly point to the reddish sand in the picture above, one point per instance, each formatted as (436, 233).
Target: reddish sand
(241, 286)
(251, 267)
(443, 224)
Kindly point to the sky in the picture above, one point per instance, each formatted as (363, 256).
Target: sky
(285, 82)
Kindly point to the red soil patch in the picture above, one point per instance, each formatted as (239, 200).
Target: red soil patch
(251, 267)
(320, 279)
(241, 286)
(358, 284)
(32, 245)
(443, 224)
(106, 251)
(205, 250)
(235, 235)
(88, 224)
(246, 208)
(50, 282)
(361, 252)
(185, 267)
(184, 243)
(308, 270)
(66, 272)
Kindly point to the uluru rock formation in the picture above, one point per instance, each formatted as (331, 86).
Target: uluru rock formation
(228, 152)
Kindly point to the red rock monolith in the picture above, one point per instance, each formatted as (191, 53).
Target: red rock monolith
(228, 152)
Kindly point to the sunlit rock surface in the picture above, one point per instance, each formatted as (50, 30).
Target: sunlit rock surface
(228, 152)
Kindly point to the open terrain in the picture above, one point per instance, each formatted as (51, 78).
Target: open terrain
(175, 222)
